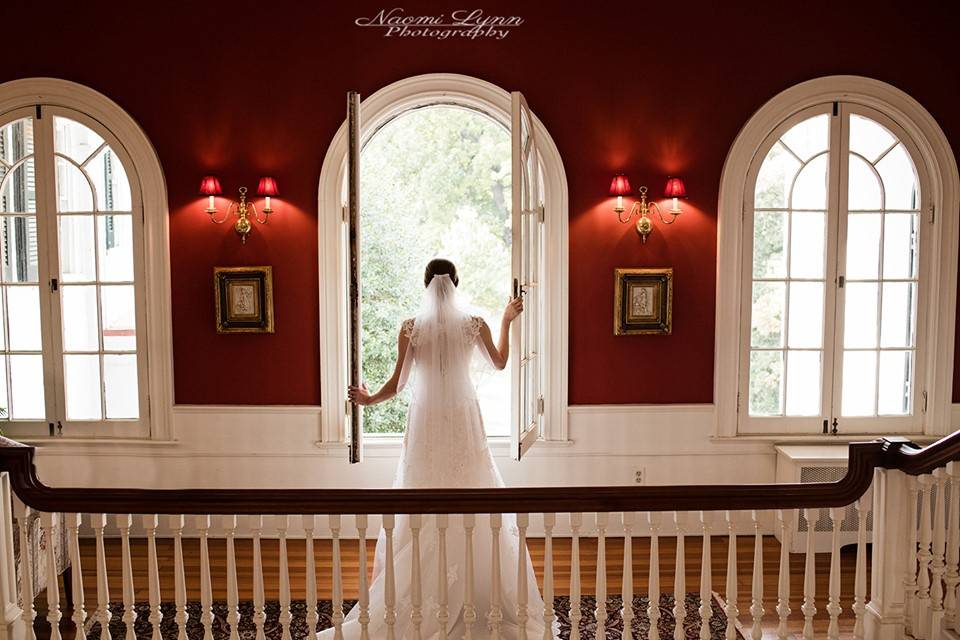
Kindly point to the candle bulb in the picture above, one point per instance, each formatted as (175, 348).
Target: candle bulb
(267, 188)
(210, 187)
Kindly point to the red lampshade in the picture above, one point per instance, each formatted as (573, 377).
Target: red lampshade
(268, 187)
(674, 188)
(620, 186)
(210, 186)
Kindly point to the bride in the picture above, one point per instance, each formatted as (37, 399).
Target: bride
(444, 445)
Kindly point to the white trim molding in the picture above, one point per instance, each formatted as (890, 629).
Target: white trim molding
(376, 111)
(27, 92)
(940, 166)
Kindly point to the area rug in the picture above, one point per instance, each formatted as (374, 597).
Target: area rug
(298, 628)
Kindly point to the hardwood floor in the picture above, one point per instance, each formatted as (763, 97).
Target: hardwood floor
(588, 555)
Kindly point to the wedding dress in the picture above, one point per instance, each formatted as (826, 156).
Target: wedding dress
(444, 445)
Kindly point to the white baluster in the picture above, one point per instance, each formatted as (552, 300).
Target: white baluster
(364, 596)
(337, 609)
(233, 590)
(910, 575)
(833, 605)
(523, 521)
(389, 584)
(206, 590)
(680, 579)
(283, 523)
(124, 522)
(29, 613)
(443, 610)
(150, 524)
(416, 598)
(576, 520)
(706, 578)
(103, 615)
(259, 615)
(860, 579)
(756, 592)
(48, 523)
(626, 608)
(495, 617)
(952, 575)
(924, 556)
(313, 618)
(600, 612)
(469, 608)
(73, 522)
(937, 565)
(731, 609)
(179, 579)
(549, 520)
(809, 607)
(785, 516)
(653, 580)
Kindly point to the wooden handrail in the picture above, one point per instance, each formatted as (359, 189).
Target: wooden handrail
(864, 457)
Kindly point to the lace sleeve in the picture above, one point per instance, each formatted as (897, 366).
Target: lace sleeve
(473, 328)
(407, 327)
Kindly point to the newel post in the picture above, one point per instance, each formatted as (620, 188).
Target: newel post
(892, 520)
(10, 625)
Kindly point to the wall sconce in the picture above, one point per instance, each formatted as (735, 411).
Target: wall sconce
(244, 210)
(620, 187)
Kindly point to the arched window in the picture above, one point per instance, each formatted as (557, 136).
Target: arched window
(840, 305)
(73, 301)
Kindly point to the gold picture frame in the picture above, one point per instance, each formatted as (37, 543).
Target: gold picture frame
(244, 299)
(643, 301)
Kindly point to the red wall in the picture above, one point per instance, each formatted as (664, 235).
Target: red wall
(246, 88)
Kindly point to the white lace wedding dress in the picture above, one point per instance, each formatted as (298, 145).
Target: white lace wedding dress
(445, 446)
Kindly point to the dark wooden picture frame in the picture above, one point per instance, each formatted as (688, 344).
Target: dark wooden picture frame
(244, 299)
(643, 301)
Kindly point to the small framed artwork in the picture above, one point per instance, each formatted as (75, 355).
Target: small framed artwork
(643, 302)
(244, 299)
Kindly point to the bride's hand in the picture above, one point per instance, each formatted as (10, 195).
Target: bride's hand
(514, 309)
(359, 395)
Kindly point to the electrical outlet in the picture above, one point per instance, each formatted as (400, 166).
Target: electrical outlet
(640, 476)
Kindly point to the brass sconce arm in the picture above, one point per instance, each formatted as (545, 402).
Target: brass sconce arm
(642, 208)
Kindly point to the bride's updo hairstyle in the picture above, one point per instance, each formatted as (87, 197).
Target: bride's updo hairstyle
(440, 266)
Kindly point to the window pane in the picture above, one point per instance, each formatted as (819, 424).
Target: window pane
(810, 189)
(767, 315)
(79, 306)
(120, 383)
(115, 240)
(77, 257)
(899, 179)
(23, 305)
(82, 387)
(863, 246)
(900, 256)
(26, 386)
(16, 141)
(806, 315)
(895, 382)
(4, 403)
(110, 181)
(803, 383)
(769, 244)
(19, 192)
(807, 244)
(774, 179)
(73, 190)
(864, 187)
(3, 319)
(119, 318)
(896, 324)
(860, 315)
(808, 137)
(868, 138)
(18, 249)
(766, 383)
(74, 140)
(859, 383)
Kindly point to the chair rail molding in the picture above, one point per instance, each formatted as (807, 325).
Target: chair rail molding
(941, 166)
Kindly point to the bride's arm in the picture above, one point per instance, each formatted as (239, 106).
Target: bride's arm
(500, 352)
(362, 396)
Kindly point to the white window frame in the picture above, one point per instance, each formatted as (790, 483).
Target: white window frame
(146, 180)
(934, 158)
(377, 110)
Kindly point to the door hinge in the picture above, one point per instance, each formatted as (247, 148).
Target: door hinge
(343, 212)
(54, 285)
(543, 214)
(841, 281)
(933, 213)
(738, 402)
(540, 405)
(346, 407)
(836, 108)
(924, 402)
(39, 112)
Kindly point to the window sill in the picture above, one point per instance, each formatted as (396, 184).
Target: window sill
(820, 439)
(389, 446)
